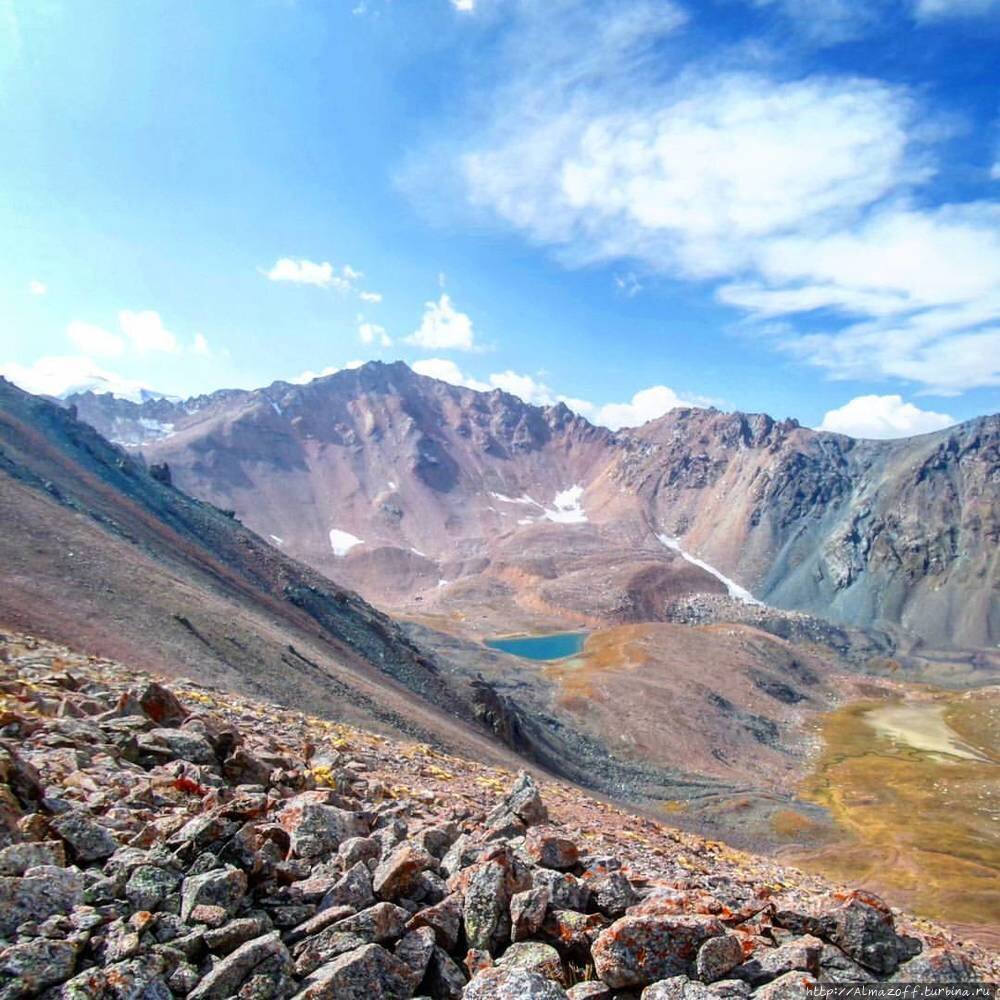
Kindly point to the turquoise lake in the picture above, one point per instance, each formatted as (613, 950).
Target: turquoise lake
(541, 647)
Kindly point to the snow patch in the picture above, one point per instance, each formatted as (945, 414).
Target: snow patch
(735, 590)
(525, 520)
(418, 552)
(521, 499)
(442, 583)
(274, 405)
(343, 541)
(277, 540)
(567, 508)
(156, 428)
(392, 485)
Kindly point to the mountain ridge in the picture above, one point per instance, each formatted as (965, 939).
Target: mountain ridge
(428, 482)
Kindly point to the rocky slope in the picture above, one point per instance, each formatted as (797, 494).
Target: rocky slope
(98, 551)
(439, 500)
(193, 843)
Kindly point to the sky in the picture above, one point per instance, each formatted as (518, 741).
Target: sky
(786, 206)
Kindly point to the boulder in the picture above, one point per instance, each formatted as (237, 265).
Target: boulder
(639, 950)
(367, 973)
(527, 912)
(790, 986)
(548, 848)
(394, 876)
(228, 975)
(87, 840)
(512, 984)
(220, 887)
(534, 956)
(316, 828)
(27, 969)
(42, 892)
(717, 957)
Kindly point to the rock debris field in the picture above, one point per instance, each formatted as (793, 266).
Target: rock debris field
(164, 842)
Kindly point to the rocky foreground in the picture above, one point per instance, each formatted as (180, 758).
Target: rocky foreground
(159, 843)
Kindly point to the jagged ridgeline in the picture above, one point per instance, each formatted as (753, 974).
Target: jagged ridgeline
(405, 487)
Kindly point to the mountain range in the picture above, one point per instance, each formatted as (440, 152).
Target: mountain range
(427, 496)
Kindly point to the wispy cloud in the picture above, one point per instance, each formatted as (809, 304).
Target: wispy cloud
(794, 196)
(36, 287)
(929, 10)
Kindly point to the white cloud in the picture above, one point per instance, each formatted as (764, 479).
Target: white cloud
(201, 345)
(792, 195)
(928, 10)
(373, 297)
(92, 339)
(883, 417)
(372, 333)
(464, 5)
(146, 331)
(309, 376)
(524, 387)
(628, 284)
(307, 272)
(445, 370)
(444, 328)
(36, 287)
(645, 405)
(64, 375)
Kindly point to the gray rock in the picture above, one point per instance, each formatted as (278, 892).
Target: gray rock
(37, 896)
(18, 858)
(356, 849)
(937, 965)
(485, 912)
(414, 950)
(223, 940)
(534, 956)
(731, 989)
(226, 976)
(221, 887)
(718, 956)
(368, 973)
(613, 894)
(354, 888)
(677, 988)
(317, 829)
(593, 990)
(177, 744)
(444, 979)
(566, 892)
(444, 918)
(512, 984)
(800, 954)
(26, 969)
(522, 802)
(88, 841)
(149, 886)
(527, 912)
(546, 846)
(790, 986)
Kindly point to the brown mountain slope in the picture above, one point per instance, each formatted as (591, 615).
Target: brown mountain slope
(476, 506)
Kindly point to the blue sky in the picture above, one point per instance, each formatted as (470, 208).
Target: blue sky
(778, 205)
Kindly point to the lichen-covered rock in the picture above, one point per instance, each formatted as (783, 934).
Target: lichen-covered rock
(220, 887)
(149, 886)
(16, 859)
(527, 912)
(718, 956)
(87, 840)
(26, 969)
(394, 876)
(790, 986)
(229, 974)
(677, 988)
(444, 918)
(546, 846)
(161, 705)
(38, 896)
(859, 923)
(637, 951)
(316, 828)
(512, 984)
(177, 744)
(936, 965)
(534, 956)
(368, 973)
(800, 954)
